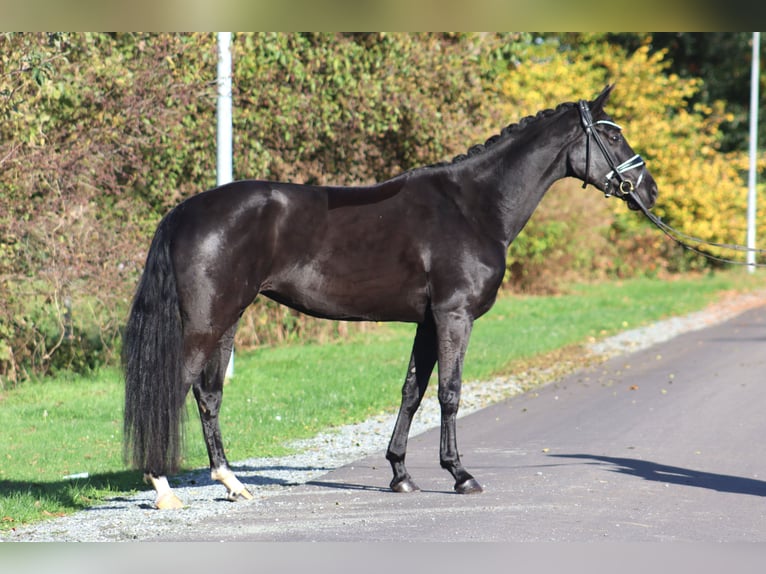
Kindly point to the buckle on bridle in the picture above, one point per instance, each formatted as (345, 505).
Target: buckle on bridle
(625, 186)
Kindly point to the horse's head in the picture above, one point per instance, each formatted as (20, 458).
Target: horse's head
(603, 157)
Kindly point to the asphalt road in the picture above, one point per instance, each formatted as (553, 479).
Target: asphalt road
(667, 444)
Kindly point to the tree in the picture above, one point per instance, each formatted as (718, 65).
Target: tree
(701, 187)
(107, 132)
(722, 60)
(101, 134)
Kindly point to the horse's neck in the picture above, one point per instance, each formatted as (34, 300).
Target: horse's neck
(511, 179)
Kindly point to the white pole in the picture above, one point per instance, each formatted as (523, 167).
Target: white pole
(751, 195)
(224, 131)
(224, 165)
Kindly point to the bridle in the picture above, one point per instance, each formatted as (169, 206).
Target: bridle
(626, 189)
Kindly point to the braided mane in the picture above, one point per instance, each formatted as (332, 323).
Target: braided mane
(504, 134)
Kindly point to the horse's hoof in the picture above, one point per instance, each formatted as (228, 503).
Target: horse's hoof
(405, 485)
(243, 494)
(470, 486)
(169, 501)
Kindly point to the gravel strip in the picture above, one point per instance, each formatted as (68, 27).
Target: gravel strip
(134, 518)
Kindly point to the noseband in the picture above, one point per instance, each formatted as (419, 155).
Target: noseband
(624, 186)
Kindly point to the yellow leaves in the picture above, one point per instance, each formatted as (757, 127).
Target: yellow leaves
(702, 191)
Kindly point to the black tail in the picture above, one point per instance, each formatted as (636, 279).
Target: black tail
(151, 359)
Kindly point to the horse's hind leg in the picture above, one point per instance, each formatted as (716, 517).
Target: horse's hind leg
(166, 498)
(209, 391)
(418, 373)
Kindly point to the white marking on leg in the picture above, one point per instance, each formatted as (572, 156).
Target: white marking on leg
(235, 488)
(166, 498)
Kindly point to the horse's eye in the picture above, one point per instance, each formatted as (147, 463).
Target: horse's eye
(615, 137)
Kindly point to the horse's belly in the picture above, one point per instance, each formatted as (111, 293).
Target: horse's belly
(381, 296)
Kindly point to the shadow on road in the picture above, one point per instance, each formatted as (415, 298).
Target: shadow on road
(675, 475)
(346, 486)
(352, 486)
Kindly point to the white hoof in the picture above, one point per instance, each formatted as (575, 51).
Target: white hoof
(166, 498)
(169, 501)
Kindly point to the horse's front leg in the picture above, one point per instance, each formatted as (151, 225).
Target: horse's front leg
(454, 330)
(418, 373)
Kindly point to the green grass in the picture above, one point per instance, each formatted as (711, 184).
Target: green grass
(68, 425)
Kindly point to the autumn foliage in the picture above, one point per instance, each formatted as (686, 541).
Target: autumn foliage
(702, 191)
(100, 134)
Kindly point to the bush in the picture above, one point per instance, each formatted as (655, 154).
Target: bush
(101, 134)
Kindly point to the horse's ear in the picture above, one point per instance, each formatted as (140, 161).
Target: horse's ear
(598, 103)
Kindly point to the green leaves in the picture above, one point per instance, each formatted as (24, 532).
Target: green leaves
(351, 108)
(101, 134)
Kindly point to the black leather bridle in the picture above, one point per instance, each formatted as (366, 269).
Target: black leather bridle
(624, 186)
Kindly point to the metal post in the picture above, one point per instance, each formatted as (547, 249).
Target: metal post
(224, 132)
(751, 195)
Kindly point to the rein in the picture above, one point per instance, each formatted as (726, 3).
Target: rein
(678, 237)
(626, 188)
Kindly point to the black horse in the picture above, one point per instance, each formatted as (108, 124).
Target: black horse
(428, 247)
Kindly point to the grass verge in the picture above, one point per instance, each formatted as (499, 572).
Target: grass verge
(68, 425)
